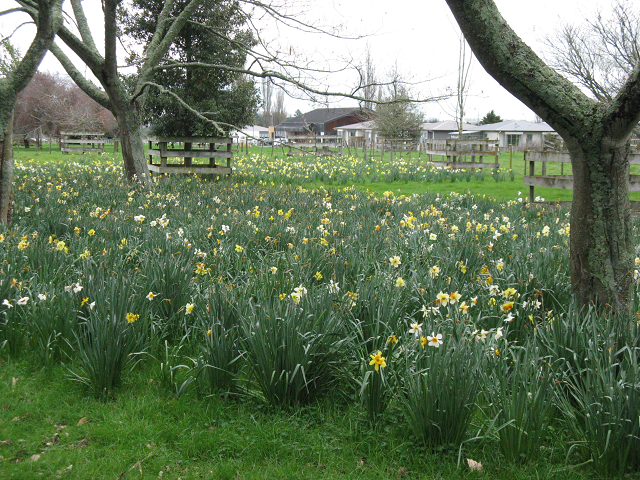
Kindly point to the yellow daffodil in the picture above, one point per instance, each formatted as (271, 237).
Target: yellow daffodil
(378, 361)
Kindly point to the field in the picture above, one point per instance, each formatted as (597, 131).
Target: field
(304, 318)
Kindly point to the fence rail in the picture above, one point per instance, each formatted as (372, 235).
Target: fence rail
(81, 142)
(562, 181)
(185, 150)
(315, 144)
(463, 154)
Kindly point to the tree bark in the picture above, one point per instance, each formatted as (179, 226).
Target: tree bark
(597, 137)
(129, 124)
(601, 247)
(6, 172)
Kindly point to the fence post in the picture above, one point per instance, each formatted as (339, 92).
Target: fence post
(510, 157)
(531, 174)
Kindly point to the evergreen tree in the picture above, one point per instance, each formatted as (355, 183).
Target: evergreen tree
(490, 117)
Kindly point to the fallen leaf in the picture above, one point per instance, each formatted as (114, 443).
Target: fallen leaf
(15, 419)
(35, 457)
(402, 472)
(474, 466)
(14, 380)
(82, 421)
(6, 442)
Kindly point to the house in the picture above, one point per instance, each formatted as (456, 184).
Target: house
(441, 130)
(254, 134)
(430, 131)
(518, 133)
(357, 133)
(321, 121)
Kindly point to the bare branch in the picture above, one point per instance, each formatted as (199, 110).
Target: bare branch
(271, 74)
(13, 10)
(623, 113)
(88, 87)
(83, 25)
(91, 58)
(185, 105)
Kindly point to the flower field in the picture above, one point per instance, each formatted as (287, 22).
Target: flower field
(451, 314)
(335, 170)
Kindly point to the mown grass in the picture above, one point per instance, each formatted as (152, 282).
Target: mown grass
(50, 429)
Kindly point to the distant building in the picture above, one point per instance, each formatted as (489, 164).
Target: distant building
(518, 133)
(254, 134)
(321, 121)
(441, 130)
(357, 133)
(430, 131)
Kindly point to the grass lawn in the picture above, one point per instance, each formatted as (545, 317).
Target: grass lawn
(51, 429)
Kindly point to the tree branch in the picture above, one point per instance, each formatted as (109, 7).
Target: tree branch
(88, 87)
(187, 106)
(273, 74)
(518, 69)
(623, 113)
(110, 37)
(48, 21)
(91, 58)
(13, 10)
(83, 25)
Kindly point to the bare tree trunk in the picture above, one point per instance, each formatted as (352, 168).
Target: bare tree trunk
(135, 162)
(130, 124)
(6, 173)
(602, 244)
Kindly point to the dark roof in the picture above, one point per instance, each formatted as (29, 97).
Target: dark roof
(319, 116)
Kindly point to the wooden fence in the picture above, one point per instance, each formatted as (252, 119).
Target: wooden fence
(81, 142)
(392, 145)
(561, 180)
(190, 151)
(315, 144)
(463, 154)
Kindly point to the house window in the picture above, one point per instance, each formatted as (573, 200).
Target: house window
(529, 137)
(513, 139)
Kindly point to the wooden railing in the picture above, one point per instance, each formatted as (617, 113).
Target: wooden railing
(81, 142)
(463, 154)
(190, 151)
(561, 180)
(315, 144)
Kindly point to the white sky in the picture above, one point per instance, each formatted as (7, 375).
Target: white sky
(420, 36)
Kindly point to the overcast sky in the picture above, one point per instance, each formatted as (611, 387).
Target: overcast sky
(418, 36)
